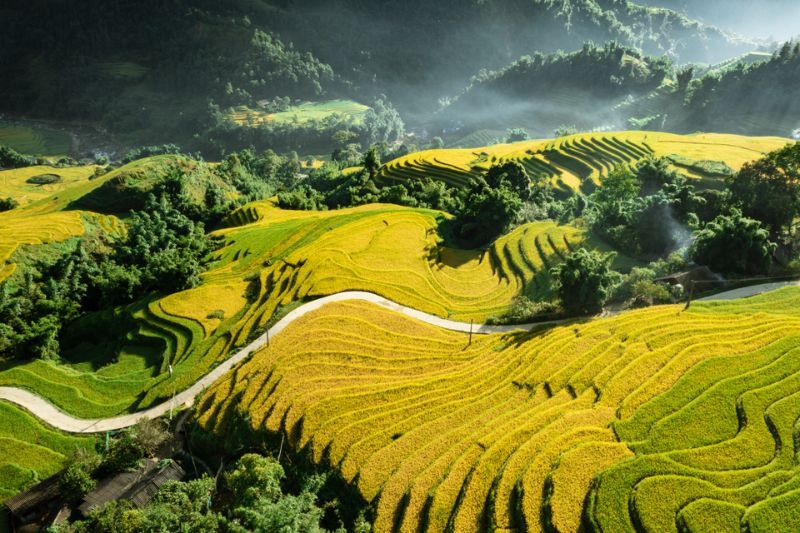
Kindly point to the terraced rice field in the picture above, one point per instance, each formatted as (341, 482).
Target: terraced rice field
(31, 452)
(13, 182)
(300, 114)
(271, 259)
(577, 162)
(653, 420)
(391, 251)
(16, 231)
(36, 140)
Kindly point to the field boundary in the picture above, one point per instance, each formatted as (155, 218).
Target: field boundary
(55, 417)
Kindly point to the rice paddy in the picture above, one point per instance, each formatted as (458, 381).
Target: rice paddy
(14, 184)
(35, 139)
(659, 419)
(577, 162)
(302, 113)
(30, 451)
(654, 420)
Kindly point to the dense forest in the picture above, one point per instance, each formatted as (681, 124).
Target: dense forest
(167, 71)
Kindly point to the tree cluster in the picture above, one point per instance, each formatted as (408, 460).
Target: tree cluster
(163, 251)
(249, 497)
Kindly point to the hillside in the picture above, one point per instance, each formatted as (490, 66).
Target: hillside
(634, 422)
(576, 162)
(767, 19)
(179, 66)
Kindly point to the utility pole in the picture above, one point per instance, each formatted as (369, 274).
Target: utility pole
(470, 331)
(689, 296)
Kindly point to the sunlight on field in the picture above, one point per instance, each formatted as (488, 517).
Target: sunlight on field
(13, 182)
(303, 113)
(577, 162)
(516, 430)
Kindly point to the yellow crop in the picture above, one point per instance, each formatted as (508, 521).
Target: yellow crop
(510, 431)
(13, 182)
(19, 231)
(577, 162)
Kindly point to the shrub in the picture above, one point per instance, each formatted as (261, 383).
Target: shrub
(301, 199)
(524, 310)
(733, 243)
(583, 281)
(44, 179)
(149, 435)
(123, 454)
(75, 482)
(10, 158)
(7, 204)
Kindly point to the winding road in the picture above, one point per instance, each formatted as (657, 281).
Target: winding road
(53, 416)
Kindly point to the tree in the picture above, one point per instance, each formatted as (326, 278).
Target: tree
(437, 143)
(259, 502)
(511, 175)
(768, 190)
(583, 281)
(76, 481)
(733, 243)
(372, 162)
(255, 477)
(382, 124)
(10, 158)
(516, 135)
(7, 204)
(684, 78)
(487, 212)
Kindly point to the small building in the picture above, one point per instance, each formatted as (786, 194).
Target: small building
(138, 487)
(38, 507)
(42, 505)
(698, 279)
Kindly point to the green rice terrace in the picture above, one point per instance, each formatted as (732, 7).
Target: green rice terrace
(491, 266)
(655, 419)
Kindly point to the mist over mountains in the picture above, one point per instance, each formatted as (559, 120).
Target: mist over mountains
(164, 71)
(766, 19)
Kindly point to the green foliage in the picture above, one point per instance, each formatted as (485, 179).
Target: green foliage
(149, 151)
(302, 198)
(10, 158)
(32, 316)
(124, 453)
(44, 179)
(516, 135)
(768, 190)
(511, 175)
(382, 124)
(524, 310)
(638, 289)
(259, 503)
(733, 243)
(76, 481)
(565, 131)
(584, 281)
(647, 211)
(255, 477)
(487, 213)
(149, 435)
(251, 499)
(7, 204)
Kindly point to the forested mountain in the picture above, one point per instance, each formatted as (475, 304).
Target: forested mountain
(542, 92)
(764, 19)
(760, 98)
(157, 69)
